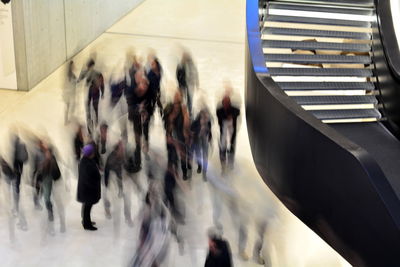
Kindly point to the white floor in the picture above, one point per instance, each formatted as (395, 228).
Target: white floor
(214, 32)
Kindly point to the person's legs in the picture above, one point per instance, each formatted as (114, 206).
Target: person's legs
(36, 184)
(18, 168)
(257, 251)
(87, 221)
(146, 123)
(204, 150)
(196, 152)
(96, 110)
(47, 187)
(137, 129)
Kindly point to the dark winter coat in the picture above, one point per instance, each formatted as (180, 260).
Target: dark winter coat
(221, 259)
(89, 187)
(224, 115)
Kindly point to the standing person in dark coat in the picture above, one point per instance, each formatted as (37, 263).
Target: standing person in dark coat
(227, 116)
(219, 252)
(89, 185)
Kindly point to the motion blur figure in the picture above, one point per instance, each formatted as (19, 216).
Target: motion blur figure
(177, 123)
(9, 191)
(89, 185)
(20, 156)
(48, 172)
(154, 236)
(78, 142)
(201, 140)
(69, 92)
(188, 79)
(113, 173)
(154, 76)
(227, 115)
(219, 252)
(139, 110)
(95, 83)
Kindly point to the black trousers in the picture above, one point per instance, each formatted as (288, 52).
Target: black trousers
(86, 209)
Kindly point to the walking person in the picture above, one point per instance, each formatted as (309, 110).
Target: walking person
(69, 92)
(113, 173)
(89, 185)
(177, 123)
(95, 82)
(49, 172)
(20, 156)
(201, 140)
(10, 179)
(139, 110)
(188, 79)
(227, 116)
(154, 76)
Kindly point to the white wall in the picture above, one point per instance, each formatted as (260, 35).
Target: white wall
(8, 77)
(48, 32)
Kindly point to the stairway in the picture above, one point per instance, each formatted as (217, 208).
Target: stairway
(319, 53)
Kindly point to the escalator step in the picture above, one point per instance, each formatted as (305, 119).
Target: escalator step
(321, 21)
(346, 114)
(335, 100)
(320, 72)
(366, 3)
(321, 8)
(317, 86)
(348, 47)
(316, 33)
(304, 59)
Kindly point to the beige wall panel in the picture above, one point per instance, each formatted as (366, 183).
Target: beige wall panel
(87, 19)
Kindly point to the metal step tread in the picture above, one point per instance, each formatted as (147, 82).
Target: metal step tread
(320, 72)
(317, 86)
(346, 114)
(367, 3)
(321, 21)
(316, 33)
(348, 47)
(335, 100)
(321, 8)
(297, 58)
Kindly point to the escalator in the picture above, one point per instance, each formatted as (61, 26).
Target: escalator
(322, 107)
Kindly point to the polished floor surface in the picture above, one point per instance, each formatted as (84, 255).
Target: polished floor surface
(214, 32)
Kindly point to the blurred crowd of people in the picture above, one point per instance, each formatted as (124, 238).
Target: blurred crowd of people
(105, 157)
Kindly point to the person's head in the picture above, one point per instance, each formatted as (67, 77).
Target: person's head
(155, 65)
(226, 102)
(90, 63)
(142, 84)
(88, 151)
(214, 237)
(119, 148)
(177, 101)
(103, 130)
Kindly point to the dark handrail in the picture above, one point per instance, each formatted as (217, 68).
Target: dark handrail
(330, 183)
(387, 32)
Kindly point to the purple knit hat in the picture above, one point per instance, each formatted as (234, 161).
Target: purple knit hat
(87, 150)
